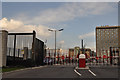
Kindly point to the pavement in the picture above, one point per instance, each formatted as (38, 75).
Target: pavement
(65, 71)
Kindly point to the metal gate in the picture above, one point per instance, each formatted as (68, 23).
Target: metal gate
(19, 48)
(108, 57)
(115, 55)
(60, 58)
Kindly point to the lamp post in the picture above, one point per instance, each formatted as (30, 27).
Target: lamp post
(54, 30)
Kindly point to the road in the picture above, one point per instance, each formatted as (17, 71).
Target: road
(65, 71)
(55, 71)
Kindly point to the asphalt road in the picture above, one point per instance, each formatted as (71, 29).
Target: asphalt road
(105, 72)
(55, 71)
(65, 71)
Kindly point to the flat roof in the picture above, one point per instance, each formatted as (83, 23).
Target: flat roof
(107, 27)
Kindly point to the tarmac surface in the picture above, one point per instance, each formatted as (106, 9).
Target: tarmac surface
(65, 71)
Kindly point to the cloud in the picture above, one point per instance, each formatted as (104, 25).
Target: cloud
(91, 45)
(62, 42)
(66, 12)
(18, 26)
(90, 34)
(89, 40)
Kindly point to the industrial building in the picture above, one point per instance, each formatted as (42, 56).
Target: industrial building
(108, 42)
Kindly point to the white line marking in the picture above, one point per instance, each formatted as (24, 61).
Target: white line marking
(92, 73)
(77, 72)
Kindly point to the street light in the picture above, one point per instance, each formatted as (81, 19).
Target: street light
(55, 37)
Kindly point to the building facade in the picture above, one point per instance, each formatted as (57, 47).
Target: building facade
(71, 52)
(76, 50)
(87, 52)
(106, 37)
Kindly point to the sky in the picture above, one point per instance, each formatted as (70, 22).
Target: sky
(60, 0)
(78, 19)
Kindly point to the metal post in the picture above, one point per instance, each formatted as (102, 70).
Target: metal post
(58, 56)
(9, 51)
(111, 55)
(69, 57)
(118, 56)
(33, 45)
(82, 47)
(107, 56)
(92, 58)
(55, 42)
(82, 43)
(55, 46)
(114, 55)
(18, 52)
(49, 57)
(14, 48)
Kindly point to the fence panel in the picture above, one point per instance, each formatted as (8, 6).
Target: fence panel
(19, 48)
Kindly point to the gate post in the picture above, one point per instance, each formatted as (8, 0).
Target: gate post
(119, 56)
(14, 49)
(3, 47)
(111, 55)
(33, 45)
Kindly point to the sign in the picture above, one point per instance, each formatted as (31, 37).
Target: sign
(22, 51)
(82, 56)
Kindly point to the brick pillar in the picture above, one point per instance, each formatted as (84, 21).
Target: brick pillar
(3, 47)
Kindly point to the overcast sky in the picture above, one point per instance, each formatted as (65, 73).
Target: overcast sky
(79, 20)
